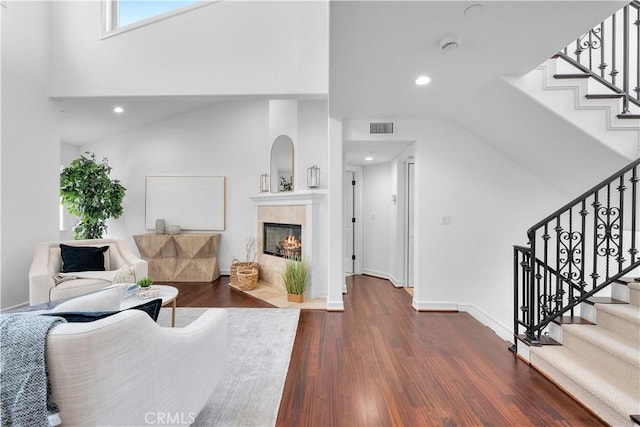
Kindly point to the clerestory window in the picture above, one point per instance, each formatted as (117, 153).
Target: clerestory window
(124, 15)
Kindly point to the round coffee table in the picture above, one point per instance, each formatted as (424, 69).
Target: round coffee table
(169, 295)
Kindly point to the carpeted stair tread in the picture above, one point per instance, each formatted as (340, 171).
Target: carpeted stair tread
(634, 293)
(574, 367)
(627, 312)
(615, 344)
(609, 415)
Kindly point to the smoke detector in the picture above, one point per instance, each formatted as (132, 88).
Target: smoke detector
(448, 44)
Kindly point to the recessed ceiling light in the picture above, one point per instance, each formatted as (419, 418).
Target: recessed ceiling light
(368, 159)
(422, 80)
(118, 109)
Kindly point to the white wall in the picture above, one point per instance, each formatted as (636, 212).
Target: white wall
(313, 135)
(491, 201)
(228, 139)
(225, 48)
(30, 146)
(335, 248)
(68, 153)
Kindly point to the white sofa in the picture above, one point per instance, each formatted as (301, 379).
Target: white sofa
(126, 370)
(47, 263)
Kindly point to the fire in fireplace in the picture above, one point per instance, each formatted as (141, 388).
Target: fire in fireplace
(283, 240)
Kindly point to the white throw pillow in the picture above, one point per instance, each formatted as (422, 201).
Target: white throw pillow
(124, 275)
(106, 300)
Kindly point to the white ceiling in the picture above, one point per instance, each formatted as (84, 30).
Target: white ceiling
(377, 49)
(355, 152)
(84, 120)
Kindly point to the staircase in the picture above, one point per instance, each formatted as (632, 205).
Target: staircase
(584, 102)
(577, 282)
(577, 297)
(597, 360)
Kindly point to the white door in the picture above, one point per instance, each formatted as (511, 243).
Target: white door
(410, 222)
(349, 224)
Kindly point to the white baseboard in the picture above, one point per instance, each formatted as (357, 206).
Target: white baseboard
(502, 331)
(434, 305)
(382, 275)
(376, 273)
(396, 282)
(482, 317)
(225, 272)
(335, 305)
(23, 304)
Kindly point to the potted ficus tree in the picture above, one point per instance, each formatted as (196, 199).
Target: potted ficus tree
(88, 193)
(295, 278)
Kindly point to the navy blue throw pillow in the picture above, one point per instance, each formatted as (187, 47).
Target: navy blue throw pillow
(82, 258)
(152, 308)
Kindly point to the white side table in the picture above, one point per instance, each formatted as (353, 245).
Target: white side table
(169, 295)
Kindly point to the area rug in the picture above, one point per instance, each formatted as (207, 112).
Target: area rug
(259, 351)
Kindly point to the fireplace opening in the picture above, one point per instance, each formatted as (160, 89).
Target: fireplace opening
(282, 240)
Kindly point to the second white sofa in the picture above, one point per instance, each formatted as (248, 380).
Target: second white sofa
(47, 264)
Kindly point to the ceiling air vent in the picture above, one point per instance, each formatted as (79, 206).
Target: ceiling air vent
(380, 127)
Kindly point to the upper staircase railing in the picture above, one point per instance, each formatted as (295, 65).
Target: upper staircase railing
(576, 252)
(610, 53)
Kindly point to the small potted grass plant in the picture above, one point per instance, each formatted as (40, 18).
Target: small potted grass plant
(295, 278)
(144, 283)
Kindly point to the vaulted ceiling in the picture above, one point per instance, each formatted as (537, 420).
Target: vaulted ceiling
(378, 48)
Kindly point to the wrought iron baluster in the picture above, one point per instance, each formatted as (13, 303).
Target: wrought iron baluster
(534, 307)
(578, 50)
(621, 189)
(526, 289)
(583, 247)
(613, 72)
(591, 50)
(516, 295)
(596, 208)
(571, 254)
(607, 235)
(547, 280)
(637, 24)
(603, 60)
(558, 284)
(625, 59)
(634, 213)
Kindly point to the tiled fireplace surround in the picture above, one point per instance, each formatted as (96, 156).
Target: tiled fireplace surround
(288, 208)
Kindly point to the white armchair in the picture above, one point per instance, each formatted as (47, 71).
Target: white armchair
(47, 263)
(126, 370)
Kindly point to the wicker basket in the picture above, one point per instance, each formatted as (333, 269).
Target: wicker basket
(237, 265)
(247, 279)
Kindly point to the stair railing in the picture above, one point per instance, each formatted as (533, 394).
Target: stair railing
(610, 53)
(576, 252)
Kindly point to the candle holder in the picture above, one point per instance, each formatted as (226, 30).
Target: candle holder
(313, 177)
(264, 183)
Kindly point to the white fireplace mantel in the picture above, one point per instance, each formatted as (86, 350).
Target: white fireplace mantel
(289, 198)
(310, 233)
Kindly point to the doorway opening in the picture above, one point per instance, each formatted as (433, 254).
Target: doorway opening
(352, 222)
(410, 218)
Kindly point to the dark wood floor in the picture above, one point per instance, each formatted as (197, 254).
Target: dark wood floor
(380, 363)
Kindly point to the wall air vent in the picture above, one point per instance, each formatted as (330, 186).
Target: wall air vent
(380, 127)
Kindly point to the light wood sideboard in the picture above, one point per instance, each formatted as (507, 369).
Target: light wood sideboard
(180, 257)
